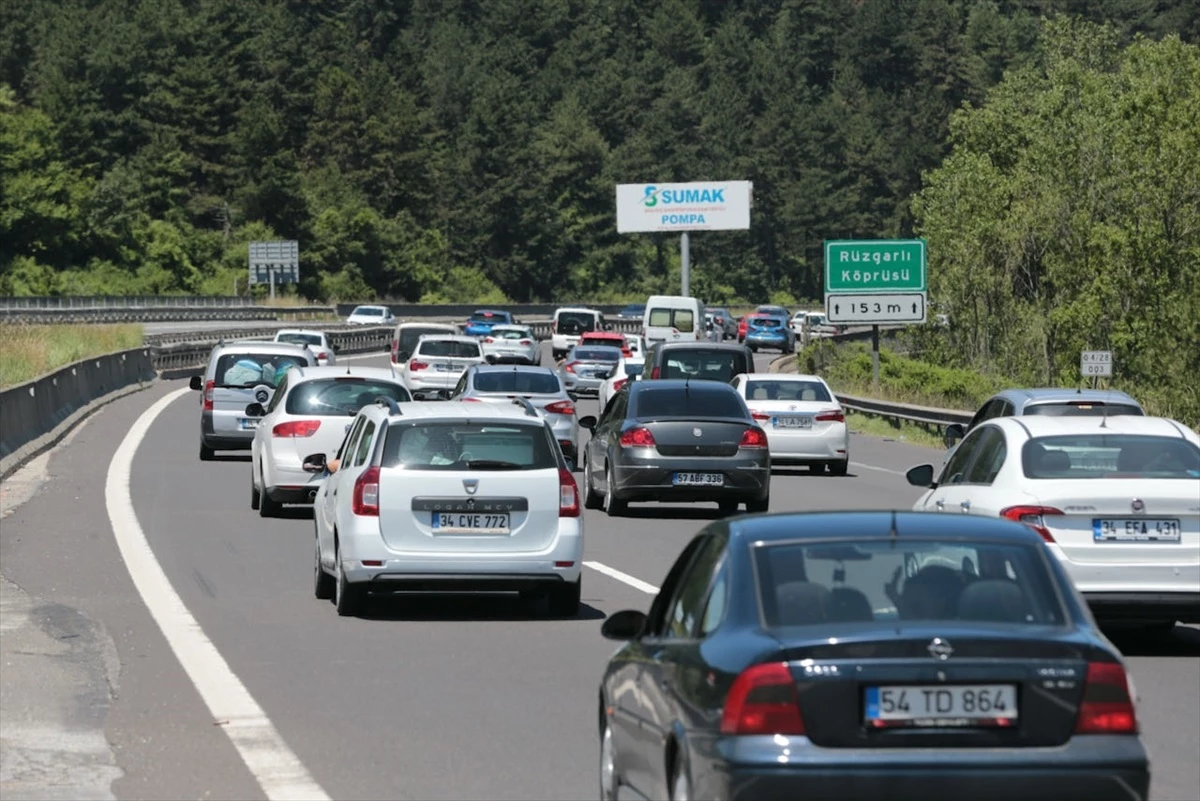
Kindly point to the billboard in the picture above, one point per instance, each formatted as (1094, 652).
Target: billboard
(701, 206)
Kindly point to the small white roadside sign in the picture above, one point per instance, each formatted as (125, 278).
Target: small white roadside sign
(1096, 363)
(874, 309)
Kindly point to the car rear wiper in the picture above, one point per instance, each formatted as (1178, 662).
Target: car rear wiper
(492, 464)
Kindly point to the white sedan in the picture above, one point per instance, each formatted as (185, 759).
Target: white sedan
(316, 341)
(508, 344)
(1116, 499)
(310, 412)
(371, 315)
(626, 369)
(804, 422)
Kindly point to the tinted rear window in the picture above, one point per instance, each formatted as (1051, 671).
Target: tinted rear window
(450, 349)
(409, 337)
(1110, 456)
(340, 396)
(596, 355)
(369, 311)
(462, 445)
(575, 322)
(679, 319)
(489, 317)
(1081, 409)
(672, 402)
(517, 381)
(509, 334)
(811, 583)
(766, 322)
(787, 390)
(252, 369)
(299, 339)
(716, 366)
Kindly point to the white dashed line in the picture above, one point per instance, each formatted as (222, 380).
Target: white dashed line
(880, 469)
(624, 578)
(276, 768)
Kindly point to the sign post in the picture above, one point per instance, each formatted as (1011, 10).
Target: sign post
(702, 206)
(874, 282)
(1096, 364)
(274, 262)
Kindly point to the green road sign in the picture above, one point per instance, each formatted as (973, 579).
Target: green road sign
(874, 265)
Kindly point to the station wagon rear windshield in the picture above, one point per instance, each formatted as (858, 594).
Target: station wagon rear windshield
(299, 339)
(788, 390)
(722, 366)
(653, 402)
(1082, 409)
(342, 396)
(538, 383)
(468, 445)
(242, 370)
(450, 349)
(575, 322)
(1082, 456)
(846, 581)
(409, 337)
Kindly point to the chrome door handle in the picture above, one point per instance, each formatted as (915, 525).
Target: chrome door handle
(940, 504)
(965, 505)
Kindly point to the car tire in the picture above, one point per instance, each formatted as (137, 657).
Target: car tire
(591, 498)
(206, 453)
(839, 468)
(266, 506)
(681, 784)
(324, 585)
(255, 494)
(347, 598)
(610, 781)
(613, 506)
(564, 598)
(758, 505)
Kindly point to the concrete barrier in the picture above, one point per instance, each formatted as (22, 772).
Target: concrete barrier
(35, 415)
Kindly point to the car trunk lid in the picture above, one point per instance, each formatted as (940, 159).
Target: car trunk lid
(697, 436)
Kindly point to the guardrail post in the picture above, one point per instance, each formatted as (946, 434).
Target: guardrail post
(875, 359)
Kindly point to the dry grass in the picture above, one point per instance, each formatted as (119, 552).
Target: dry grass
(30, 351)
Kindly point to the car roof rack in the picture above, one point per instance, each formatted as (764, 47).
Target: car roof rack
(390, 403)
(530, 409)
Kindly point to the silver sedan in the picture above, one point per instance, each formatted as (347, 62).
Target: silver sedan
(586, 368)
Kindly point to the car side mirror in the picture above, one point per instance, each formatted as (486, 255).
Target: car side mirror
(314, 463)
(953, 433)
(588, 422)
(920, 476)
(627, 624)
(196, 382)
(255, 410)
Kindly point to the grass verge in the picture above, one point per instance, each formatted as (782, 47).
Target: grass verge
(34, 350)
(900, 431)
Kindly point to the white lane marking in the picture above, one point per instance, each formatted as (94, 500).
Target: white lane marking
(278, 771)
(624, 578)
(880, 469)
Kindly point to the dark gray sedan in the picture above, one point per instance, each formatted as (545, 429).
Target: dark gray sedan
(676, 441)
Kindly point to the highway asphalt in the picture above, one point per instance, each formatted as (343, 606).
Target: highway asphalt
(460, 698)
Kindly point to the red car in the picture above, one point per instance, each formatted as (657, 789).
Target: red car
(609, 338)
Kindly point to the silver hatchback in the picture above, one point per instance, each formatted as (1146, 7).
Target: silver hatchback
(238, 374)
(587, 367)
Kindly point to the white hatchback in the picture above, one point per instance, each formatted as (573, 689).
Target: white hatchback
(1116, 499)
(804, 422)
(508, 344)
(310, 412)
(448, 497)
(437, 362)
(317, 341)
(626, 369)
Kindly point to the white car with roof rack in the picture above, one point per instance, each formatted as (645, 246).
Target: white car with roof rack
(318, 342)
(1117, 500)
(310, 411)
(447, 497)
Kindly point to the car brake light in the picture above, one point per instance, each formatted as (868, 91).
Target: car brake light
(1032, 516)
(753, 437)
(208, 395)
(763, 700)
(296, 428)
(637, 438)
(833, 415)
(760, 415)
(470, 400)
(620, 382)
(488, 340)
(416, 365)
(1107, 706)
(654, 373)
(560, 407)
(525, 342)
(366, 493)
(322, 355)
(569, 367)
(568, 494)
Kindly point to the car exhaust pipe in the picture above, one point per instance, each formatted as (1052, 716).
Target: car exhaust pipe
(312, 495)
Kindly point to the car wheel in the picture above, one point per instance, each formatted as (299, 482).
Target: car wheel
(840, 468)
(591, 499)
(728, 507)
(758, 506)
(255, 495)
(266, 506)
(613, 505)
(347, 597)
(564, 598)
(324, 586)
(206, 453)
(610, 782)
(681, 785)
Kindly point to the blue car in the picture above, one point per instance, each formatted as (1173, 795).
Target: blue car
(770, 331)
(480, 323)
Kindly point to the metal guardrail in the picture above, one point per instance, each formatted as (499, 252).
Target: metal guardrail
(123, 301)
(156, 314)
(926, 415)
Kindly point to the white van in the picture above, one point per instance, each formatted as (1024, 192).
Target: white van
(569, 323)
(672, 318)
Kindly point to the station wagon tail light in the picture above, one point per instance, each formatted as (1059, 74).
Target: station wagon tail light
(560, 407)
(296, 428)
(637, 438)
(569, 367)
(753, 437)
(568, 494)
(763, 700)
(620, 382)
(1032, 516)
(395, 349)
(832, 416)
(1107, 706)
(760, 415)
(417, 365)
(207, 398)
(366, 493)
